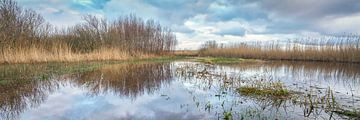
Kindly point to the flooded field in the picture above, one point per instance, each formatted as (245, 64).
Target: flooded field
(181, 90)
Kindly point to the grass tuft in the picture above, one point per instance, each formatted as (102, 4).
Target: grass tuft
(349, 113)
(273, 90)
(4, 82)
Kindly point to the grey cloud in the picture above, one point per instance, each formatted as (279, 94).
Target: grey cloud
(234, 32)
(237, 9)
(179, 11)
(311, 9)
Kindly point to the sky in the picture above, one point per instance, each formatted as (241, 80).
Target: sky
(225, 21)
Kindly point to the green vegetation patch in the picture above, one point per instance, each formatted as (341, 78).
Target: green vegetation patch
(349, 113)
(221, 60)
(18, 73)
(4, 82)
(273, 90)
(227, 116)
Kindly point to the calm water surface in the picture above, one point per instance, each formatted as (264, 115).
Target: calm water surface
(175, 90)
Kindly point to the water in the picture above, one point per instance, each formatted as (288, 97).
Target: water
(175, 90)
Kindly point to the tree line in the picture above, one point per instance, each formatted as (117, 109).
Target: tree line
(24, 29)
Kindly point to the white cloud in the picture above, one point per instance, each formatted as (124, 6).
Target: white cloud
(232, 31)
(340, 24)
(193, 42)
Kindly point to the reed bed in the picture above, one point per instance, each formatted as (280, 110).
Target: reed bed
(36, 55)
(340, 49)
(25, 37)
(186, 53)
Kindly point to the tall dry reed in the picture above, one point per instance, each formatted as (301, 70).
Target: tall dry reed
(26, 37)
(335, 49)
(34, 55)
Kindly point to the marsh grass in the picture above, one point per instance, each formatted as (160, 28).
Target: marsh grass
(21, 73)
(221, 60)
(4, 82)
(350, 113)
(18, 73)
(328, 102)
(334, 48)
(37, 55)
(227, 115)
(274, 90)
(27, 38)
(312, 104)
(270, 94)
(192, 53)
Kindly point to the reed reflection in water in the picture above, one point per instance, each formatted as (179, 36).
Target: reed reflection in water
(176, 90)
(26, 91)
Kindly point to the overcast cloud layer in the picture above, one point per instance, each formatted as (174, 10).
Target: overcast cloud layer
(196, 21)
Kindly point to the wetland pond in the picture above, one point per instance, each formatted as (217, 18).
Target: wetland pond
(179, 90)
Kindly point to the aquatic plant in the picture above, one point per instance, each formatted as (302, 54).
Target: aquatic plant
(267, 93)
(264, 89)
(352, 114)
(227, 116)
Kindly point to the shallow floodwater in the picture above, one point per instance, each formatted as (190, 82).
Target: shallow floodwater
(176, 90)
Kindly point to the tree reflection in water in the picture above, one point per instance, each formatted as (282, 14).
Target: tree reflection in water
(179, 89)
(26, 90)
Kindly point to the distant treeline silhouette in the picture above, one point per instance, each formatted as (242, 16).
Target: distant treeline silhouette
(27, 37)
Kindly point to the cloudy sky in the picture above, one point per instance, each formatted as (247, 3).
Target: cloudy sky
(226, 21)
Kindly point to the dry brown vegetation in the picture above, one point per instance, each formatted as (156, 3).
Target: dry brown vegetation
(26, 37)
(344, 49)
(186, 53)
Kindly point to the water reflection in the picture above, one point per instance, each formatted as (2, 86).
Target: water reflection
(343, 78)
(177, 90)
(25, 91)
(126, 80)
(307, 79)
(20, 90)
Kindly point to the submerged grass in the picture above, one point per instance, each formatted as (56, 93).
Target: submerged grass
(270, 94)
(273, 90)
(227, 116)
(4, 82)
(349, 113)
(15, 73)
